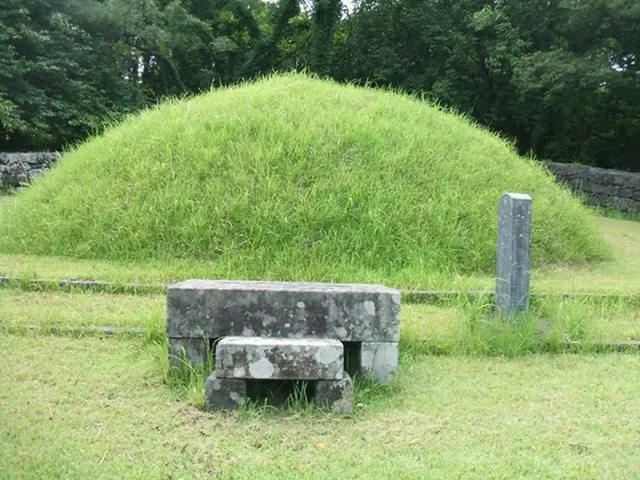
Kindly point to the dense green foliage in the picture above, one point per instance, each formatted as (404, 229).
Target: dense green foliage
(358, 180)
(67, 67)
(560, 77)
(57, 83)
(324, 21)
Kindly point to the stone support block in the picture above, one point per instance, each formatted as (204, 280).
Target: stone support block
(336, 395)
(224, 393)
(279, 358)
(194, 350)
(379, 360)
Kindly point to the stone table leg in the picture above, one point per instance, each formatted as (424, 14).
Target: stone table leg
(195, 350)
(337, 395)
(379, 360)
(224, 393)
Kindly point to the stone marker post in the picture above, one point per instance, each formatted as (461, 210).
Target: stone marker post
(514, 254)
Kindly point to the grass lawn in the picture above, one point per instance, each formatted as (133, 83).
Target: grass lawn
(60, 309)
(81, 405)
(100, 408)
(619, 276)
(622, 275)
(426, 328)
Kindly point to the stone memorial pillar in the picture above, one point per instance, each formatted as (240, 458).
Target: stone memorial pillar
(514, 254)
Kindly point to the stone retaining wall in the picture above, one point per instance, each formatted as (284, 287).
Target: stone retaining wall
(18, 169)
(605, 188)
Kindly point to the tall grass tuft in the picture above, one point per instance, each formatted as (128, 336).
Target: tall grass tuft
(186, 379)
(551, 324)
(295, 178)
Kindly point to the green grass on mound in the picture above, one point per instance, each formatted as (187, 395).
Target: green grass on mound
(295, 178)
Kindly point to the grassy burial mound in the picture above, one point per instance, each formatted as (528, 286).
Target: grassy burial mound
(295, 178)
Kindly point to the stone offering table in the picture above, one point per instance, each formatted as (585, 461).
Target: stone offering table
(363, 318)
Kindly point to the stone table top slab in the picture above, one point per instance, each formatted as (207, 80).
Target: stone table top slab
(219, 308)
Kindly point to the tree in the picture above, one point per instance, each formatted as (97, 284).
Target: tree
(56, 84)
(70, 66)
(324, 21)
(561, 77)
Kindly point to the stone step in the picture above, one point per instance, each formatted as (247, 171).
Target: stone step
(218, 308)
(233, 393)
(269, 358)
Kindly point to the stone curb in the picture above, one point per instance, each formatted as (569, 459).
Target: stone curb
(96, 286)
(62, 331)
(621, 346)
(408, 296)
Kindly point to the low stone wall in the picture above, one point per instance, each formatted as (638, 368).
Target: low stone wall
(601, 187)
(18, 169)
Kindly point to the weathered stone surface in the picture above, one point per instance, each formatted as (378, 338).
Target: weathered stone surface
(279, 358)
(192, 349)
(514, 254)
(603, 187)
(379, 360)
(337, 395)
(214, 309)
(18, 169)
(224, 393)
